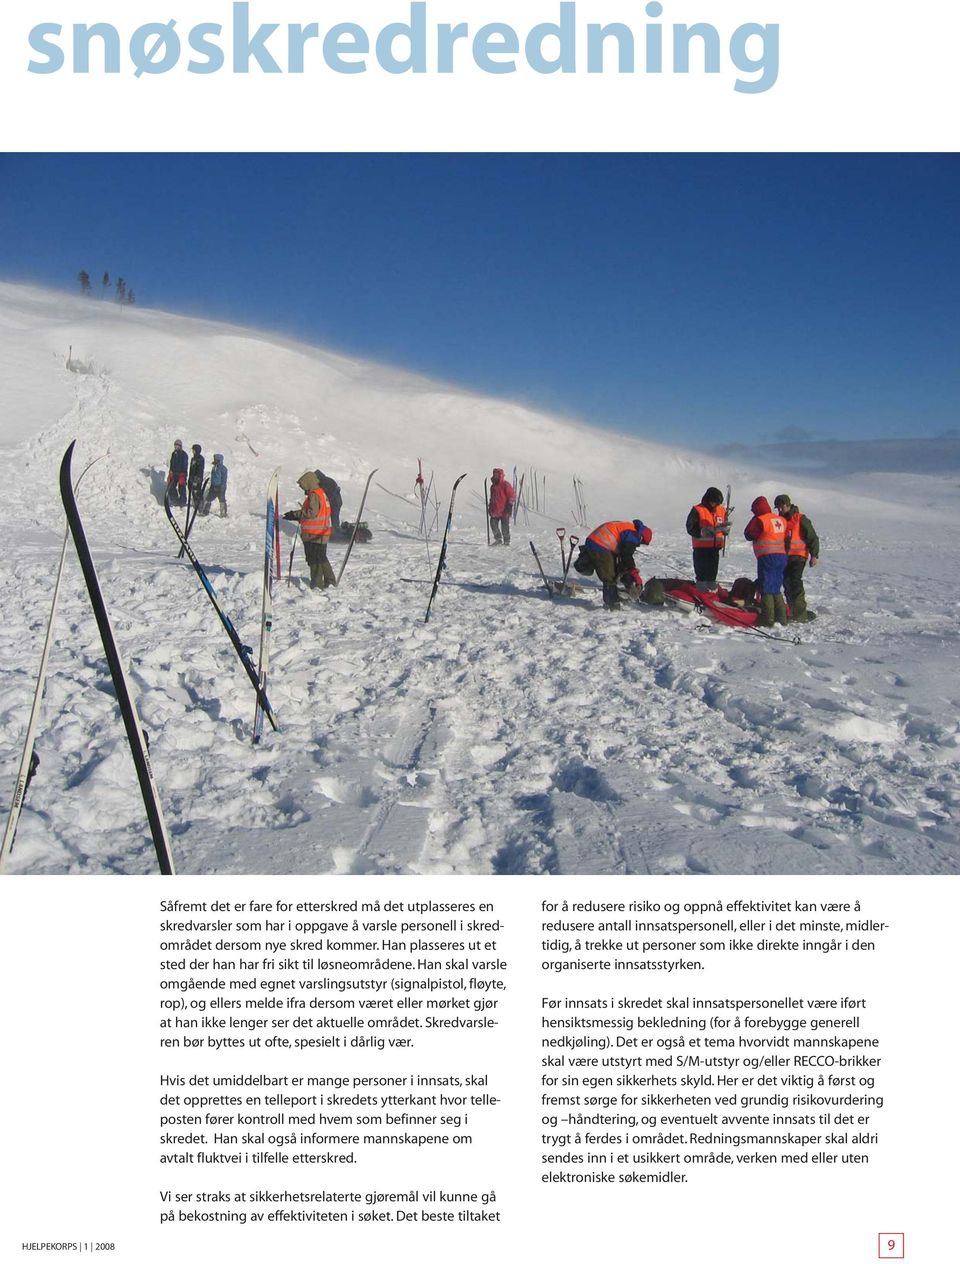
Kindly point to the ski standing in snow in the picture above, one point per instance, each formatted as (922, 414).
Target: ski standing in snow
(358, 526)
(131, 720)
(442, 561)
(30, 760)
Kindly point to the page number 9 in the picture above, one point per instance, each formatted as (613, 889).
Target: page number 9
(891, 1246)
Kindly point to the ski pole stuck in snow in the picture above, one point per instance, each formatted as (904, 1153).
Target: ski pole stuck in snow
(271, 556)
(242, 651)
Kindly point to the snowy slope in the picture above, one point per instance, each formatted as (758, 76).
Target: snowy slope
(510, 734)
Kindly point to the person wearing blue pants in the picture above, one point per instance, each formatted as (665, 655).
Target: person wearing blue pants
(767, 531)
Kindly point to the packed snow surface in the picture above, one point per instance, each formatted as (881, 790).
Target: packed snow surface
(514, 732)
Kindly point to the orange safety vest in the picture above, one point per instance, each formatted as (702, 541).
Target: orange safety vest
(710, 521)
(322, 524)
(608, 535)
(796, 547)
(773, 537)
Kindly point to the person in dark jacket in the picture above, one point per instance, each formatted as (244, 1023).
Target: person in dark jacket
(332, 491)
(803, 545)
(195, 475)
(500, 507)
(608, 552)
(217, 486)
(707, 524)
(177, 474)
(767, 531)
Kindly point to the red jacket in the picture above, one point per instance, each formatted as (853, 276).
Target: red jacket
(501, 496)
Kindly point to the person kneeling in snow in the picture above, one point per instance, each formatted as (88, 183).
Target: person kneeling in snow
(316, 527)
(608, 552)
(768, 533)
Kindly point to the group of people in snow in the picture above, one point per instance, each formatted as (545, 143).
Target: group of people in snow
(185, 480)
(319, 516)
(784, 541)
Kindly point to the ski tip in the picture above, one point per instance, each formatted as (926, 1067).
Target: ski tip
(65, 463)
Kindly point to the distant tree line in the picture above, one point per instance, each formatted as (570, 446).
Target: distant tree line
(122, 294)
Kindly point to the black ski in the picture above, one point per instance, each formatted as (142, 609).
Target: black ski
(192, 517)
(356, 526)
(131, 721)
(243, 651)
(30, 760)
(443, 548)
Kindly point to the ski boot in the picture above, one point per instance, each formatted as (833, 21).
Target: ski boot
(798, 610)
(611, 598)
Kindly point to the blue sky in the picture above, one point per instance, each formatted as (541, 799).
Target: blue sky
(703, 298)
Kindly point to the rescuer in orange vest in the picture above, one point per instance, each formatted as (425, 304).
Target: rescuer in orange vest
(803, 545)
(316, 527)
(768, 533)
(707, 524)
(608, 553)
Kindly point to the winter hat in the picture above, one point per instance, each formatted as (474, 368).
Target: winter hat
(712, 496)
(218, 456)
(178, 443)
(645, 534)
(308, 481)
(760, 506)
(498, 473)
(783, 501)
(196, 448)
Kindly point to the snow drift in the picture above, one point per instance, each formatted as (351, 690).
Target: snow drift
(513, 734)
